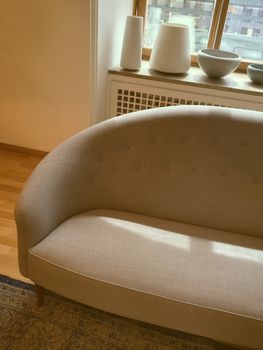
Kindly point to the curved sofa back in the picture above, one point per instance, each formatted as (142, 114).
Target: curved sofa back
(199, 165)
(195, 164)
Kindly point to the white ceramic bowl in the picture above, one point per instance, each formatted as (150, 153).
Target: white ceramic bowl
(255, 73)
(217, 63)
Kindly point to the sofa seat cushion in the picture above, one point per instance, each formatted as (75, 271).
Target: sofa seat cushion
(191, 265)
(197, 265)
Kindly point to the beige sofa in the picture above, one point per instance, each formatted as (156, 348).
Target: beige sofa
(156, 216)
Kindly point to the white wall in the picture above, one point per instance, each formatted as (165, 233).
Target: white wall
(54, 58)
(111, 23)
(44, 71)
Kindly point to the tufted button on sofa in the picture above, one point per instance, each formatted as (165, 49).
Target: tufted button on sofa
(157, 216)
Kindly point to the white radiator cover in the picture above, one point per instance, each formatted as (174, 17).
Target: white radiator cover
(128, 94)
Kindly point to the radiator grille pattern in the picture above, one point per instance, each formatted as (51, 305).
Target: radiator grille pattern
(130, 101)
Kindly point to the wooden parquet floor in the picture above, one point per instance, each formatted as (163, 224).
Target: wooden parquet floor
(15, 168)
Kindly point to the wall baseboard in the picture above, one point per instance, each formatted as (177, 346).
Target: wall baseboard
(25, 150)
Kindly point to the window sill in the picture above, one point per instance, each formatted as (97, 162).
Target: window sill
(234, 82)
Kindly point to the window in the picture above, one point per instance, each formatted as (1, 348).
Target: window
(232, 25)
(244, 34)
(197, 14)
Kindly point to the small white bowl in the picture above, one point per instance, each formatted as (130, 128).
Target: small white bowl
(217, 63)
(255, 73)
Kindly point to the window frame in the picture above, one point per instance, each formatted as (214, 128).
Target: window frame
(215, 34)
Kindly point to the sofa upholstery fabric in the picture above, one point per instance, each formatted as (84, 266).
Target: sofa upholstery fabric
(193, 264)
(162, 210)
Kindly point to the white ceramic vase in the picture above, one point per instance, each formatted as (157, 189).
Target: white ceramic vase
(171, 49)
(131, 55)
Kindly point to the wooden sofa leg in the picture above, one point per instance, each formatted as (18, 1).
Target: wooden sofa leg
(40, 295)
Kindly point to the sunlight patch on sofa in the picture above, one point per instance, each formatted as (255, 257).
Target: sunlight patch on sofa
(237, 252)
(154, 234)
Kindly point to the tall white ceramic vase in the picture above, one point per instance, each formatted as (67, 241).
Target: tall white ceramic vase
(131, 56)
(171, 49)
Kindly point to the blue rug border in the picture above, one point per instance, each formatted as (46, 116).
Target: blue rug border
(16, 283)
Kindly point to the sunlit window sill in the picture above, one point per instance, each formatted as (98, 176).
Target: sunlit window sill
(234, 82)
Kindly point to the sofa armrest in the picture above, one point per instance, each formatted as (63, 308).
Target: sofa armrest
(54, 192)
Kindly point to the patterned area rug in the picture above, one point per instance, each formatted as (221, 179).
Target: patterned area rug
(63, 324)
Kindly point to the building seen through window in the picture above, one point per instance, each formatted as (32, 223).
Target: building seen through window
(243, 30)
